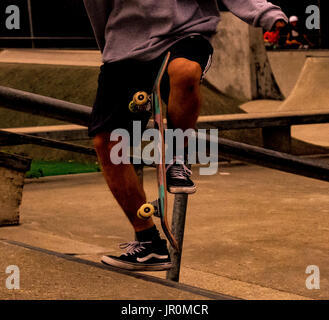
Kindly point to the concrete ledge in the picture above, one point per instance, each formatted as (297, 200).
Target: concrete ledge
(12, 174)
(56, 57)
(56, 132)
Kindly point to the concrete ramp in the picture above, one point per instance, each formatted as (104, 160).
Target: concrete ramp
(311, 91)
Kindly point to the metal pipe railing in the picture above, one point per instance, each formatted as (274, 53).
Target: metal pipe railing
(44, 106)
(79, 114)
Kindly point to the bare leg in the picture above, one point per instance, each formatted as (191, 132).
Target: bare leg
(123, 183)
(183, 111)
(184, 99)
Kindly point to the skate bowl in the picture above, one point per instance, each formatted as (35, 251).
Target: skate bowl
(287, 65)
(311, 93)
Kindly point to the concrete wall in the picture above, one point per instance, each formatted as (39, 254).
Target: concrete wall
(12, 173)
(11, 187)
(240, 66)
(243, 69)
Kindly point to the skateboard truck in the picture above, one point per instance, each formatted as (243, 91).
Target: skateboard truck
(141, 102)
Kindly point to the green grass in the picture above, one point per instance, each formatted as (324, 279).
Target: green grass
(55, 168)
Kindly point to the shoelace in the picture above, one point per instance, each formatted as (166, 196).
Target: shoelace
(179, 171)
(132, 247)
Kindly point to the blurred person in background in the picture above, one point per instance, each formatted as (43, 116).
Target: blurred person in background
(296, 37)
(272, 37)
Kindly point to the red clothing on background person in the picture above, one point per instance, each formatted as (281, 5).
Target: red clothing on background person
(272, 36)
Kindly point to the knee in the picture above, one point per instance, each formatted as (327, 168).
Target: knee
(100, 142)
(184, 73)
(103, 143)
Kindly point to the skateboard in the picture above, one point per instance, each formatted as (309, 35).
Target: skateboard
(143, 102)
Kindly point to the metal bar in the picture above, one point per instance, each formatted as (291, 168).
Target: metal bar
(61, 134)
(277, 138)
(272, 159)
(177, 228)
(79, 114)
(30, 21)
(44, 106)
(324, 24)
(75, 113)
(71, 112)
(74, 135)
(251, 121)
(16, 138)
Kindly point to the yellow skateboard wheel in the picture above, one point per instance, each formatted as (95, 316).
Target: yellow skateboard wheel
(140, 98)
(145, 211)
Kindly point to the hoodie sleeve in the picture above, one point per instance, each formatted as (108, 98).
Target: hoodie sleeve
(98, 13)
(259, 13)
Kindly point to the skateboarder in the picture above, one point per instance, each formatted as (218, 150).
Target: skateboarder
(134, 36)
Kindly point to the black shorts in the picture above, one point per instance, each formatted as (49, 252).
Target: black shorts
(119, 81)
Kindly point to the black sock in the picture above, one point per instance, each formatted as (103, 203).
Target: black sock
(151, 234)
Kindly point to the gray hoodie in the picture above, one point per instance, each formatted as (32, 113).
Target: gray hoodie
(143, 29)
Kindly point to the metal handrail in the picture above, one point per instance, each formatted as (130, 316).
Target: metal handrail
(79, 114)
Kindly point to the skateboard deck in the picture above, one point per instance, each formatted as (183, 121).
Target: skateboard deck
(153, 103)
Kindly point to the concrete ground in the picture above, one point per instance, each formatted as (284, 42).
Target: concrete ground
(250, 233)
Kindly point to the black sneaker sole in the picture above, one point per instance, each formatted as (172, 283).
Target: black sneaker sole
(188, 190)
(136, 266)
